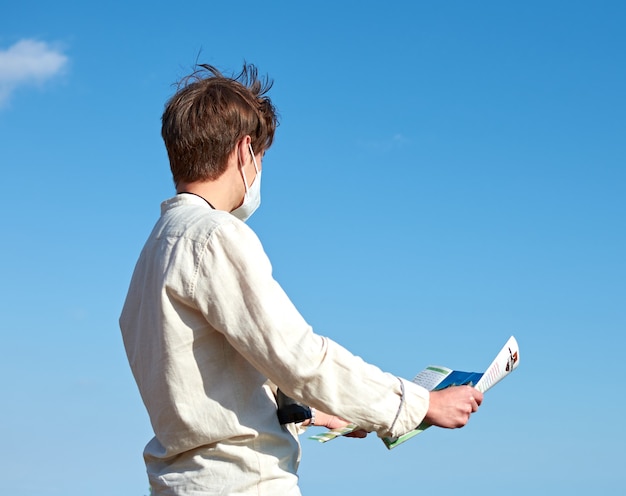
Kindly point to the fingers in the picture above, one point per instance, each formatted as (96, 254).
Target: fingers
(478, 396)
(475, 399)
(473, 404)
(451, 407)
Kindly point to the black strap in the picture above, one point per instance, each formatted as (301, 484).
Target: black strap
(196, 194)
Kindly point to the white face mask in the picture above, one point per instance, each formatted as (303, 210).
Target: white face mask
(252, 198)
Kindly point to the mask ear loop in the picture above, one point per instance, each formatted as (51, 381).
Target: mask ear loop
(243, 173)
(256, 167)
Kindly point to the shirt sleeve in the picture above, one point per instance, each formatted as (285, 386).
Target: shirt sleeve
(235, 291)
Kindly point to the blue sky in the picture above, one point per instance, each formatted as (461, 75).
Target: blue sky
(445, 174)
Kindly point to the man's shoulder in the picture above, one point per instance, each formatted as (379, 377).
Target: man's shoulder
(191, 217)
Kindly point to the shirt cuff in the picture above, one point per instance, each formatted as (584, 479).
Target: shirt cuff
(412, 408)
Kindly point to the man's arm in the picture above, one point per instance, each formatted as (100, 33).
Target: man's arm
(449, 408)
(235, 291)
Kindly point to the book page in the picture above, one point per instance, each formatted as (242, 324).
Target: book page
(431, 376)
(505, 363)
(333, 433)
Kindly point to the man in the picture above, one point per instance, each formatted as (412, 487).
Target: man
(213, 341)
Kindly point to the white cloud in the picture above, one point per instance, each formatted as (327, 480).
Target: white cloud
(28, 62)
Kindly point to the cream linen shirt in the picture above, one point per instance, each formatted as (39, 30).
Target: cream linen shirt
(209, 335)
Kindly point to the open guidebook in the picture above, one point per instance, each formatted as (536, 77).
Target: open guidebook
(435, 377)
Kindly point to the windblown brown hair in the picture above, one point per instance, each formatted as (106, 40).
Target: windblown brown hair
(209, 114)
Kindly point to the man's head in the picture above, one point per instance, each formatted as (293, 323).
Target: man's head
(209, 114)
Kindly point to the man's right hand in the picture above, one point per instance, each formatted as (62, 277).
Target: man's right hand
(451, 407)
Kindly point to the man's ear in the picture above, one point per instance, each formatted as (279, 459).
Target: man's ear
(243, 149)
